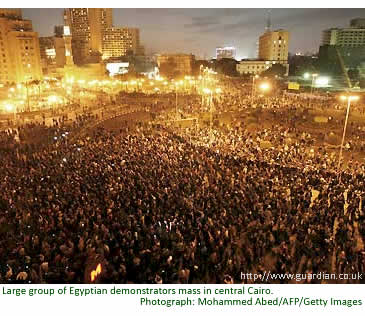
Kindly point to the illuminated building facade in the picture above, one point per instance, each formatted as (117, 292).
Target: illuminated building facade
(64, 32)
(19, 48)
(273, 46)
(225, 52)
(119, 41)
(273, 49)
(353, 36)
(253, 67)
(56, 51)
(87, 27)
(256, 67)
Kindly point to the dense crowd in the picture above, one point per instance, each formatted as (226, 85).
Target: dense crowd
(154, 205)
(36, 134)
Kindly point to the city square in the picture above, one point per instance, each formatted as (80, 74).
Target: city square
(121, 166)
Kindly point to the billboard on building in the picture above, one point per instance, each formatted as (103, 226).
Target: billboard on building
(117, 68)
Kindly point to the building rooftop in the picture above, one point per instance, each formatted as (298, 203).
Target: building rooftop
(13, 14)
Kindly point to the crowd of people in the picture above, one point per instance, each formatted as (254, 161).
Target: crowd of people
(154, 205)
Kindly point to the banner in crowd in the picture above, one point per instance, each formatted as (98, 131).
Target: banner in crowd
(293, 86)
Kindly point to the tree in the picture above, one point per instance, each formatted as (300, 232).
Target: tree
(299, 65)
(276, 70)
(197, 64)
(353, 74)
(226, 66)
(328, 62)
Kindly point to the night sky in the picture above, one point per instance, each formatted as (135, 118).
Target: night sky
(199, 31)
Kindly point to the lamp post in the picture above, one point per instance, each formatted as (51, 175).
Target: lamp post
(313, 78)
(209, 93)
(176, 99)
(264, 87)
(11, 108)
(253, 87)
(347, 98)
(27, 88)
(203, 82)
(176, 86)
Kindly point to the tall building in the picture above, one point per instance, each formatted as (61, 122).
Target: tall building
(358, 22)
(99, 20)
(56, 51)
(273, 46)
(180, 63)
(47, 49)
(353, 36)
(225, 52)
(273, 49)
(11, 14)
(343, 48)
(63, 31)
(87, 27)
(141, 50)
(120, 41)
(19, 48)
(329, 37)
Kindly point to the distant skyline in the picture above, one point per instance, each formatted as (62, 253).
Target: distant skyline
(200, 31)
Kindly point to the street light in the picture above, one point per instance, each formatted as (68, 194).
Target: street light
(210, 92)
(347, 98)
(253, 87)
(264, 86)
(176, 86)
(313, 78)
(322, 82)
(10, 108)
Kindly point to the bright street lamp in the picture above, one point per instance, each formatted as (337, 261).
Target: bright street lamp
(207, 91)
(349, 98)
(314, 76)
(264, 86)
(321, 81)
(10, 108)
(210, 93)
